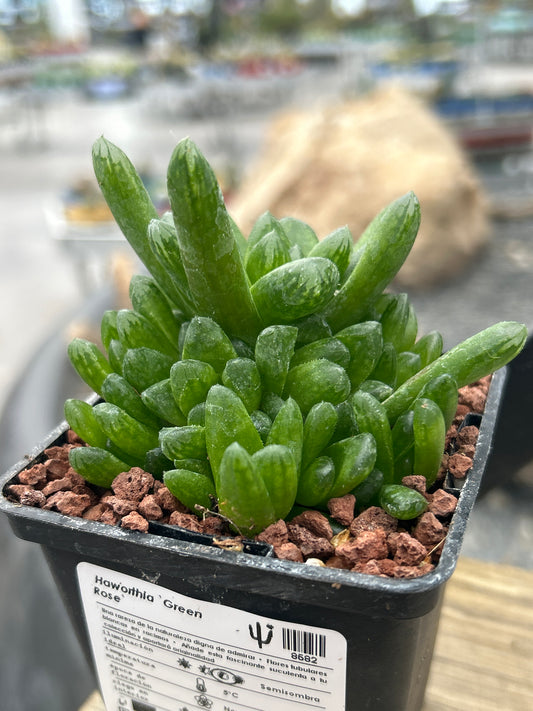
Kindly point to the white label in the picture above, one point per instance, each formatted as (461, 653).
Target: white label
(158, 650)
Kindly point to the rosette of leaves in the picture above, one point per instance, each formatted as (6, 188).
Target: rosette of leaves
(253, 375)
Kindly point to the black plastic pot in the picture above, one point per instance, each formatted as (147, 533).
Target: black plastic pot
(174, 625)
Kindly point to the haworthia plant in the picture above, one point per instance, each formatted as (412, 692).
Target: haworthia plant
(255, 376)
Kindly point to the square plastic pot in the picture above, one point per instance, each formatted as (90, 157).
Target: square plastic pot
(175, 625)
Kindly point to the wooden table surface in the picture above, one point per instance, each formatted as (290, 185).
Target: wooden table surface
(483, 658)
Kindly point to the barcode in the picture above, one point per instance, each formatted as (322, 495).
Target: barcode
(304, 642)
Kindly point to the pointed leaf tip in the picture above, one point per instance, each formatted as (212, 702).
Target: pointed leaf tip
(102, 145)
(414, 203)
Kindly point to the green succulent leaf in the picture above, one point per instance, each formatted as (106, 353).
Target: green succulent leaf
(124, 431)
(399, 323)
(243, 495)
(81, 418)
(318, 430)
(275, 465)
(372, 418)
(163, 241)
(331, 348)
(149, 301)
(227, 421)
(265, 223)
(316, 481)
(299, 234)
(288, 429)
(135, 331)
(160, 400)
(142, 367)
(118, 391)
(270, 252)
(89, 362)
(470, 360)
(96, 465)
(378, 256)
(403, 446)
(206, 341)
(337, 246)
(242, 376)
(354, 458)
(367, 492)
(429, 347)
(211, 257)
(443, 391)
(315, 381)
(190, 381)
(192, 488)
(108, 327)
(407, 365)
(295, 289)
(274, 349)
(365, 344)
(429, 431)
(130, 204)
(187, 442)
(401, 502)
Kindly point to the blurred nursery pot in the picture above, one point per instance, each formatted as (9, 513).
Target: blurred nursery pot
(171, 619)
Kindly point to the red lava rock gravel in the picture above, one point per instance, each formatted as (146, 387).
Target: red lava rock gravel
(277, 534)
(409, 551)
(135, 522)
(311, 545)
(366, 546)
(289, 551)
(442, 504)
(315, 522)
(373, 519)
(459, 465)
(342, 509)
(429, 530)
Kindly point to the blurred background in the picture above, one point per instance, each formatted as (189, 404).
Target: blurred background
(322, 109)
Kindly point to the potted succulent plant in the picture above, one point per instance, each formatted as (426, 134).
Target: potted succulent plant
(268, 394)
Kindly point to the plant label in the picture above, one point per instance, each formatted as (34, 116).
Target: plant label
(159, 650)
